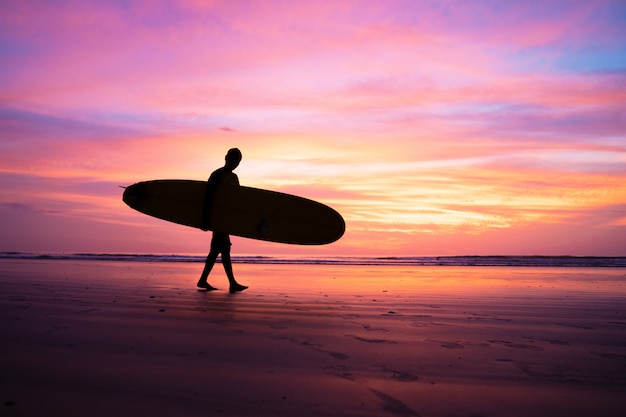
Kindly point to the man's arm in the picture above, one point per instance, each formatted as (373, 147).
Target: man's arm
(209, 192)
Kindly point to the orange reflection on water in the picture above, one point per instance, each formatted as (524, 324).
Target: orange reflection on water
(433, 279)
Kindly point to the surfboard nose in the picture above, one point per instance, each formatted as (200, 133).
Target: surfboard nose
(132, 195)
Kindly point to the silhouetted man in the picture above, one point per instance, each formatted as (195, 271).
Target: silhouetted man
(220, 243)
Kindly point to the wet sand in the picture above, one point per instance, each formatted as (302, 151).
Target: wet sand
(122, 338)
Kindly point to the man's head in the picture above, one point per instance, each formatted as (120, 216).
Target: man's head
(233, 157)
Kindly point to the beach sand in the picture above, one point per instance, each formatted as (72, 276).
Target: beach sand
(90, 338)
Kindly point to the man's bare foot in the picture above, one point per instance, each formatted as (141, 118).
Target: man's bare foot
(237, 288)
(206, 286)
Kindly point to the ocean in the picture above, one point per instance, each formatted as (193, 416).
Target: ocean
(504, 261)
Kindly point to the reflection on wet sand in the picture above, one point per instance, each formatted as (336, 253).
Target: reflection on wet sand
(115, 337)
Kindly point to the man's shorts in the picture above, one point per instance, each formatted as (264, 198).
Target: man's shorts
(220, 242)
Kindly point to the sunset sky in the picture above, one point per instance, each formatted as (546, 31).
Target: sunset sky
(434, 127)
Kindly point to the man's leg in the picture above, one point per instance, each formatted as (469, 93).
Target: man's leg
(208, 266)
(228, 267)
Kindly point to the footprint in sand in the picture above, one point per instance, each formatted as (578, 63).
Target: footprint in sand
(399, 375)
(551, 341)
(339, 371)
(515, 345)
(480, 317)
(377, 341)
(369, 328)
(576, 326)
(316, 347)
(393, 405)
(425, 324)
(452, 345)
(546, 372)
(448, 345)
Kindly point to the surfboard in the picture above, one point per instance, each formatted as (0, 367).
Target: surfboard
(237, 210)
